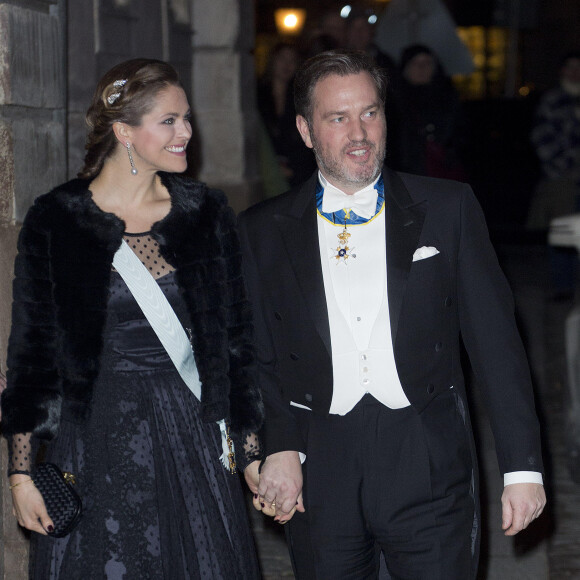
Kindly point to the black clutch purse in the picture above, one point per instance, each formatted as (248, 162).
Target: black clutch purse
(63, 503)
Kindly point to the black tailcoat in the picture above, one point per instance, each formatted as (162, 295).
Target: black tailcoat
(459, 294)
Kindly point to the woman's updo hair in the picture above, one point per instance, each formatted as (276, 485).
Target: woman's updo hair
(124, 94)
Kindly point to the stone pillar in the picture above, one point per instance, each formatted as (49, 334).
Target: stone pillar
(102, 33)
(224, 97)
(32, 160)
(81, 78)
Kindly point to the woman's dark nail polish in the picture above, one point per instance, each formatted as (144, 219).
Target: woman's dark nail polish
(50, 529)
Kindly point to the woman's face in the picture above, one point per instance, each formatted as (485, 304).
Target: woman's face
(159, 142)
(420, 69)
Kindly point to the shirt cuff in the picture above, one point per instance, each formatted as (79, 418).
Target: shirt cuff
(522, 477)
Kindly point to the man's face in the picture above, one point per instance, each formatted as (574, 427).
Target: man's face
(348, 130)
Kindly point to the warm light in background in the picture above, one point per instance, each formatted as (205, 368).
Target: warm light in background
(488, 48)
(290, 20)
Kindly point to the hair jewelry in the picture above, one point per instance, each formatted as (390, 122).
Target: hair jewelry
(114, 96)
(133, 168)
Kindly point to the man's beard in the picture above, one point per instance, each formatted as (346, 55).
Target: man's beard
(338, 171)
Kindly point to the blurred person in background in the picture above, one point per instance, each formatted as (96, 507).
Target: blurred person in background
(359, 36)
(317, 43)
(427, 131)
(556, 139)
(334, 25)
(276, 107)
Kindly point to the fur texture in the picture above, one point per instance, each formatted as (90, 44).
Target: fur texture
(61, 286)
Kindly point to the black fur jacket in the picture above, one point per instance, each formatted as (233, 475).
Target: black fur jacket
(61, 286)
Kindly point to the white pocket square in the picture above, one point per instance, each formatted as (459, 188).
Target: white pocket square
(293, 404)
(424, 252)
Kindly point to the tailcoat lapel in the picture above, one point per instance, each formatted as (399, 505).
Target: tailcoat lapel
(299, 230)
(404, 222)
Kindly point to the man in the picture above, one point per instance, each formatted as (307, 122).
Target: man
(362, 281)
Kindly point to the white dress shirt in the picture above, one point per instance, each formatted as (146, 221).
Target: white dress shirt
(363, 359)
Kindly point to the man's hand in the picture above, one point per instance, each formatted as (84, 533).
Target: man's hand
(521, 504)
(280, 486)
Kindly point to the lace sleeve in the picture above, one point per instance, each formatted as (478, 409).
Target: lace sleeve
(22, 448)
(248, 449)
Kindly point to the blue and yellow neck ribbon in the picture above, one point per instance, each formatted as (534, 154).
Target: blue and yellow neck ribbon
(347, 216)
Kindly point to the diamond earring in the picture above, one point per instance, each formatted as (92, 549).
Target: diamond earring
(133, 168)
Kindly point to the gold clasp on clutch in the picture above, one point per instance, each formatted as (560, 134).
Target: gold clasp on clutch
(69, 477)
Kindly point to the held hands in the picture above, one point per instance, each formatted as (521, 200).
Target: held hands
(29, 506)
(521, 504)
(253, 480)
(278, 488)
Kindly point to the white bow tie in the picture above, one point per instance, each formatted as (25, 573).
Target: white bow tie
(363, 202)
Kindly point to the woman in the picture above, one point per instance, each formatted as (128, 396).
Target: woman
(88, 375)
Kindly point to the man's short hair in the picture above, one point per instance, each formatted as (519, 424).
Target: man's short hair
(333, 62)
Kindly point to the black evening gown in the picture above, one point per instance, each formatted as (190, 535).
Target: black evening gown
(157, 501)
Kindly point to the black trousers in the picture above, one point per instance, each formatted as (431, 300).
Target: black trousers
(391, 481)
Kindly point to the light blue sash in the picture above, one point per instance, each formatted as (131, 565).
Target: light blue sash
(166, 325)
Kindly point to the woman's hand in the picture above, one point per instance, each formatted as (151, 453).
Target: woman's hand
(253, 480)
(29, 506)
(252, 477)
